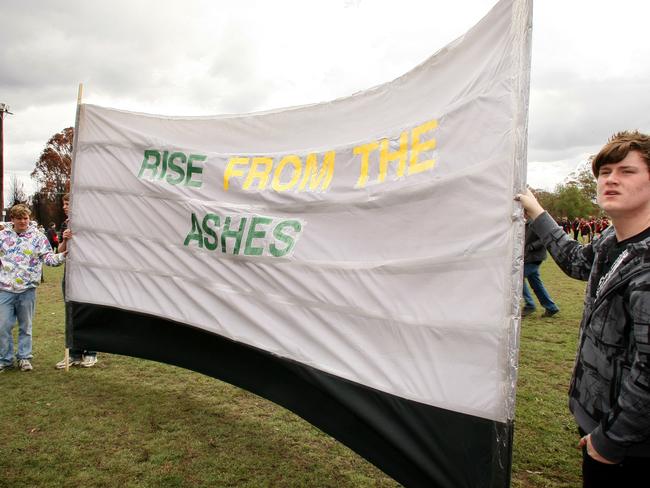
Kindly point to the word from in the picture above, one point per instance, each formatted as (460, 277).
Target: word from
(290, 172)
(251, 235)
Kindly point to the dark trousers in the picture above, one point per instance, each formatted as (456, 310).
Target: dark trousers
(627, 473)
(75, 354)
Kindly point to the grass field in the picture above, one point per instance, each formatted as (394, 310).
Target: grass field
(134, 423)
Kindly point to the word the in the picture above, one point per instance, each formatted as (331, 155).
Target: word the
(176, 168)
(250, 235)
(410, 148)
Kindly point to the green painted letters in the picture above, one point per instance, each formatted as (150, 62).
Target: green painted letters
(175, 168)
(192, 170)
(253, 231)
(147, 164)
(250, 250)
(209, 231)
(287, 239)
(228, 233)
(195, 233)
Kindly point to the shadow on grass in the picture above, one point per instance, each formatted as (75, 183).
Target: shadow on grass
(138, 423)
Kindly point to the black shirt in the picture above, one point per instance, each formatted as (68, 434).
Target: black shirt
(617, 249)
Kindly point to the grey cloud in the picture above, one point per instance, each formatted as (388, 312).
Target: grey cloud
(569, 114)
(49, 47)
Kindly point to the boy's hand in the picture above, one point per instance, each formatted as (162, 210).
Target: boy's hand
(531, 206)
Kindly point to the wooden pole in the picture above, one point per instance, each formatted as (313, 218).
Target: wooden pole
(66, 354)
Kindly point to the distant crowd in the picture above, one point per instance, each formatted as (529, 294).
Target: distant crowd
(584, 229)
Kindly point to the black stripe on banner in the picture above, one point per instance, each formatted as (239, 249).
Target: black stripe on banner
(416, 444)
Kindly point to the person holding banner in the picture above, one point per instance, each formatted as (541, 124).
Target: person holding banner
(77, 357)
(23, 250)
(609, 394)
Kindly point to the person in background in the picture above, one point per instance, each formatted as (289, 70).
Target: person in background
(575, 225)
(566, 225)
(534, 255)
(23, 250)
(77, 357)
(53, 237)
(585, 230)
(609, 394)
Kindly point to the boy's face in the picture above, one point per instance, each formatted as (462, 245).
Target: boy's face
(20, 223)
(65, 207)
(624, 188)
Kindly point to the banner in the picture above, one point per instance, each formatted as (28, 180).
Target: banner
(356, 261)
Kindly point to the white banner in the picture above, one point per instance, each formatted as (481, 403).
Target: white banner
(371, 237)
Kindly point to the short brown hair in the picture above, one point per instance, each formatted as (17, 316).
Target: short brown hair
(19, 210)
(66, 197)
(618, 147)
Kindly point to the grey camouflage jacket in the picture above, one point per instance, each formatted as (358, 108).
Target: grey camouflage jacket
(610, 389)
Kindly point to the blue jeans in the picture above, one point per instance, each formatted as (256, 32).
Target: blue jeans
(16, 306)
(531, 273)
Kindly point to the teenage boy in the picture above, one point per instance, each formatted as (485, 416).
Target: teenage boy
(609, 394)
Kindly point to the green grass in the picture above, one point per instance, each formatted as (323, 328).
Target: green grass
(135, 423)
(545, 449)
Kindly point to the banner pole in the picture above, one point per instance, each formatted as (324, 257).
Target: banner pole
(66, 354)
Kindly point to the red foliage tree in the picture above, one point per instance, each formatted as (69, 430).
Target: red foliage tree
(52, 175)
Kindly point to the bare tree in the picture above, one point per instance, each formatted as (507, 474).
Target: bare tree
(17, 193)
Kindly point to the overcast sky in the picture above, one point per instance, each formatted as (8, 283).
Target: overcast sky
(590, 70)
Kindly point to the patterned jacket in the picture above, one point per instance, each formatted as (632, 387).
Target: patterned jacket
(610, 389)
(22, 257)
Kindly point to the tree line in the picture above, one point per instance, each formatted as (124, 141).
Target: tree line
(573, 198)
